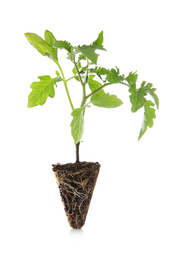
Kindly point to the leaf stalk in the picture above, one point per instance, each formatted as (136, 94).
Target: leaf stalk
(101, 87)
(65, 84)
(81, 81)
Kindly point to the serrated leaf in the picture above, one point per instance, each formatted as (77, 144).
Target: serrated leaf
(137, 98)
(41, 90)
(81, 57)
(102, 71)
(89, 52)
(114, 77)
(63, 45)
(132, 78)
(41, 45)
(149, 115)
(77, 124)
(99, 40)
(151, 91)
(106, 100)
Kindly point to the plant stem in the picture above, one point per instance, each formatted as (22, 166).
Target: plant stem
(65, 84)
(95, 91)
(81, 81)
(77, 152)
(70, 78)
(101, 87)
(83, 100)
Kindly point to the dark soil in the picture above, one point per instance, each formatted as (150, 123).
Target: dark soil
(76, 182)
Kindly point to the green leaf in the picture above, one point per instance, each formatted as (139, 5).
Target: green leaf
(132, 78)
(137, 98)
(74, 69)
(77, 124)
(100, 98)
(50, 39)
(99, 41)
(89, 52)
(151, 91)
(94, 84)
(41, 45)
(149, 115)
(81, 57)
(57, 73)
(114, 77)
(63, 45)
(106, 100)
(41, 90)
(102, 71)
(45, 77)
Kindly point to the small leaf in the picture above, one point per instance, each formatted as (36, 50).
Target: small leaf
(41, 90)
(77, 78)
(99, 41)
(106, 100)
(41, 45)
(45, 77)
(89, 52)
(74, 71)
(149, 115)
(63, 45)
(57, 73)
(77, 124)
(102, 71)
(81, 57)
(132, 78)
(50, 39)
(114, 77)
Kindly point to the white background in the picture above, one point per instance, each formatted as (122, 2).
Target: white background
(136, 210)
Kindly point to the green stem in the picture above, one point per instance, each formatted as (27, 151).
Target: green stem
(81, 81)
(101, 87)
(65, 84)
(95, 91)
(70, 78)
(124, 84)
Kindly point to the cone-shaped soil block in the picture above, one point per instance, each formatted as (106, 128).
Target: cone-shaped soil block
(76, 182)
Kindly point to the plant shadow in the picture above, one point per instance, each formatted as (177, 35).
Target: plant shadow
(76, 232)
